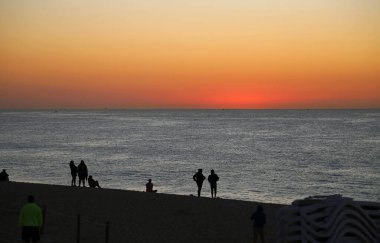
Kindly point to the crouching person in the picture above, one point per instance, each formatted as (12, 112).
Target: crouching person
(149, 186)
(92, 183)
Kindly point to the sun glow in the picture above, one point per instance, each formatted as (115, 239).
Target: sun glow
(198, 54)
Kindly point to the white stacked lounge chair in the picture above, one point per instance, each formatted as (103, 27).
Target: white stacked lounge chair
(329, 219)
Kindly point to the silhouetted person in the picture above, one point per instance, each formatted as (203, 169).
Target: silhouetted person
(213, 178)
(199, 178)
(4, 175)
(149, 186)
(92, 182)
(82, 173)
(74, 173)
(258, 219)
(31, 221)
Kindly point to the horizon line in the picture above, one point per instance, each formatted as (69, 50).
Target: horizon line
(185, 108)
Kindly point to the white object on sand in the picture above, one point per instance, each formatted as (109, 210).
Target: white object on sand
(329, 219)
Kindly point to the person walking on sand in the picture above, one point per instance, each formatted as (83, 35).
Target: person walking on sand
(82, 173)
(199, 178)
(212, 179)
(74, 173)
(149, 186)
(4, 175)
(258, 219)
(31, 221)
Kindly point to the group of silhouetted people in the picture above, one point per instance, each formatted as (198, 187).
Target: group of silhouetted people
(31, 215)
(82, 172)
(212, 179)
(258, 217)
(198, 178)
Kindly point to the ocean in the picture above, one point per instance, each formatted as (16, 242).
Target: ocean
(273, 156)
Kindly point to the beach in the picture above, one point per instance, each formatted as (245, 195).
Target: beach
(133, 216)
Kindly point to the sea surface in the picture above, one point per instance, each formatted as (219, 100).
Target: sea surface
(259, 155)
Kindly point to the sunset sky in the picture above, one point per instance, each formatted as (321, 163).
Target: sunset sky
(189, 54)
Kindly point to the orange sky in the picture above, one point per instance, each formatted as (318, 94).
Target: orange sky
(189, 54)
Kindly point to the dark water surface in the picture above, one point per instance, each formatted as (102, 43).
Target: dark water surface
(261, 155)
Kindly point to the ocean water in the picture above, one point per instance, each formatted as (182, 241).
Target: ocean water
(260, 155)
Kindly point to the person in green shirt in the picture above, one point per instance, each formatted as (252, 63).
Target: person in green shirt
(31, 221)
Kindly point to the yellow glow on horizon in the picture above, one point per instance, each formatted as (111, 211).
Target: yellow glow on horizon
(199, 54)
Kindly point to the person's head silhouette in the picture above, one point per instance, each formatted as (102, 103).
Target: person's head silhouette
(199, 170)
(260, 208)
(30, 198)
(212, 172)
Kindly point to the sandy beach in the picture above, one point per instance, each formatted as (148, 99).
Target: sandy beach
(133, 216)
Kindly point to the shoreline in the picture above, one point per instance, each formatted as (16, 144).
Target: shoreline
(134, 216)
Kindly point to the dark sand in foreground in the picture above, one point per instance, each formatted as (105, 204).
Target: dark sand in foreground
(133, 216)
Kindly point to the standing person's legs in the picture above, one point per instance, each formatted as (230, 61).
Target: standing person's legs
(262, 238)
(35, 235)
(258, 232)
(254, 237)
(255, 234)
(30, 233)
(25, 234)
(199, 189)
(215, 191)
(82, 179)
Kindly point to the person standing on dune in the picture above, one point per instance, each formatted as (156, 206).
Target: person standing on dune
(199, 178)
(74, 173)
(258, 219)
(31, 221)
(82, 173)
(213, 178)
